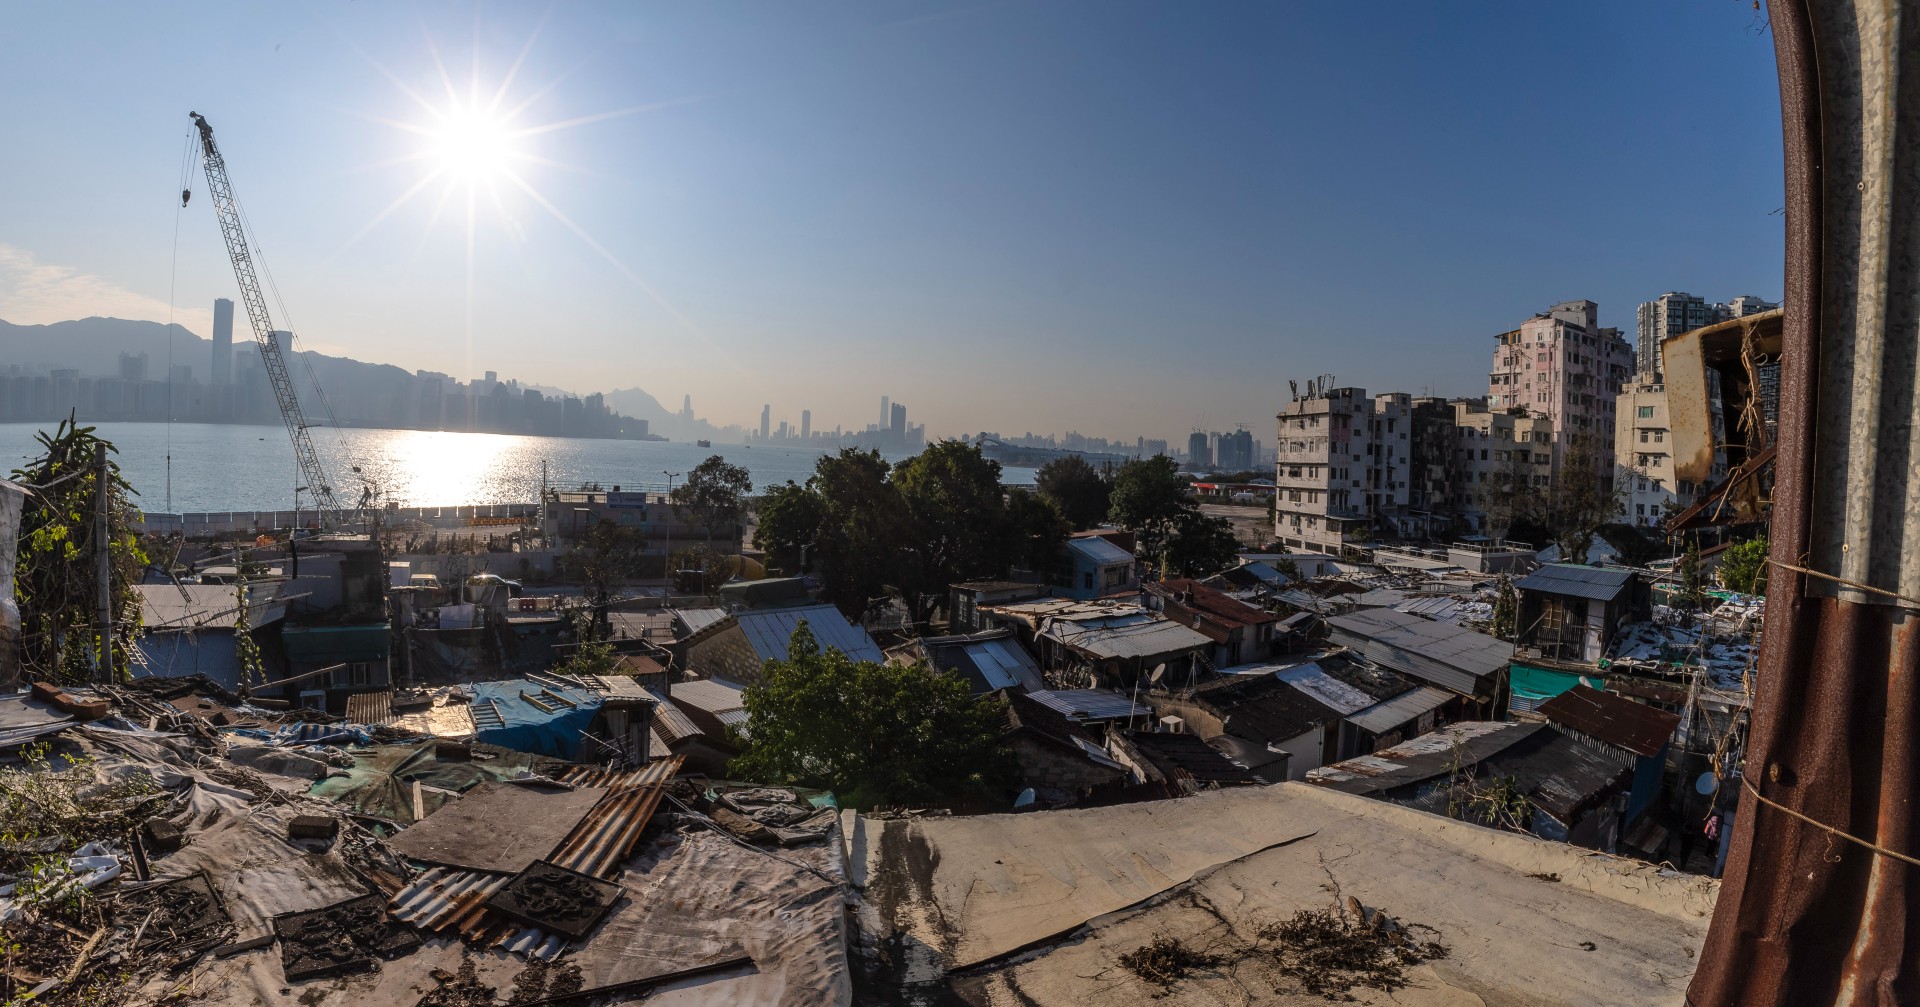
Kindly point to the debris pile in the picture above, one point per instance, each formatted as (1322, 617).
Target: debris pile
(173, 842)
(1326, 953)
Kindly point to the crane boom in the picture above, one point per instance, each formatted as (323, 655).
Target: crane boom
(271, 353)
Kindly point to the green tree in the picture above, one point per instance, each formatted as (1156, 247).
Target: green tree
(1078, 489)
(958, 516)
(786, 520)
(605, 558)
(1200, 545)
(55, 582)
(1149, 498)
(874, 734)
(865, 528)
(1038, 532)
(1743, 566)
(716, 492)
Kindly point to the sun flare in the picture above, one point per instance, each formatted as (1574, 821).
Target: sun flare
(472, 145)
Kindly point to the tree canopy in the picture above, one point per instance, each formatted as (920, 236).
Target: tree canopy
(958, 521)
(715, 491)
(872, 529)
(604, 558)
(1743, 566)
(54, 580)
(1078, 489)
(1148, 498)
(874, 734)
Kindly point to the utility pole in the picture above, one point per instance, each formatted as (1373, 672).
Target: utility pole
(102, 565)
(671, 476)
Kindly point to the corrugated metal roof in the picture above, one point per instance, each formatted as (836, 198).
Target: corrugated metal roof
(1089, 704)
(993, 660)
(713, 696)
(1616, 720)
(1444, 654)
(672, 722)
(1382, 717)
(1577, 581)
(770, 631)
(370, 708)
(1099, 551)
(1429, 755)
(697, 619)
(1330, 691)
(1141, 634)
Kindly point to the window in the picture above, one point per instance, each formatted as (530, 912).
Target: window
(1086, 581)
(1659, 436)
(1645, 412)
(1643, 436)
(1483, 454)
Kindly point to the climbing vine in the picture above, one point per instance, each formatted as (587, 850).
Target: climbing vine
(54, 582)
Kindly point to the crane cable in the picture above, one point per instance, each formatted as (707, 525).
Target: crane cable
(173, 278)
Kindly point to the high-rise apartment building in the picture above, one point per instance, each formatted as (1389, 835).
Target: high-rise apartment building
(1321, 472)
(766, 421)
(1562, 365)
(806, 424)
(898, 426)
(222, 341)
(886, 417)
(1390, 459)
(1234, 452)
(1198, 456)
(1498, 457)
(1675, 312)
(133, 367)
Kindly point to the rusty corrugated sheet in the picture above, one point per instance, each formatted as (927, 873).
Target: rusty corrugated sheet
(445, 898)
(606, 836)
(1806, 916)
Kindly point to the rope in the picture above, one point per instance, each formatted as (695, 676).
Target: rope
(173, 277)
(1883, 851)
(1844, 582)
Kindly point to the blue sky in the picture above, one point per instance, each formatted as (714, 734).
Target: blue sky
(1124, 218)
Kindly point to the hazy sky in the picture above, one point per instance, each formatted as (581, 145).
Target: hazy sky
(1127, 219)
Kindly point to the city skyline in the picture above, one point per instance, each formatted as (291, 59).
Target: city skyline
(710, 210)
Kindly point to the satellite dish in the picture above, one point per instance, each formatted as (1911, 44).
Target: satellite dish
(1705, 784)
(1158, 670)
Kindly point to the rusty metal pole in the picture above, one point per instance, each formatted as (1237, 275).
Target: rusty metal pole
(1817, 905)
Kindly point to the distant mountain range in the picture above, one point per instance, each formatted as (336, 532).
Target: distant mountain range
(360, 392)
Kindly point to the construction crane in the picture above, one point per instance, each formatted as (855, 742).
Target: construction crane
(328, 511)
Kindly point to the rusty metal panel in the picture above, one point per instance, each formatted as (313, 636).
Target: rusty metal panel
(1689, 409)
(1808, 912)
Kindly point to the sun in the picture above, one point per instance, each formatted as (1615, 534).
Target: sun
(471, 144)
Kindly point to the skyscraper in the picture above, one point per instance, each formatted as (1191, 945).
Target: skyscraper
(806, 424)
(1675, 312)
(222, 341)
(899, 428)
(1198, 457)
(766, 421)
(885, 416)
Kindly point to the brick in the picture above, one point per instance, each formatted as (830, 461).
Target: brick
(161, 835)
(313, 827)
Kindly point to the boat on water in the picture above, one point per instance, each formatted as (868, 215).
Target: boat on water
(703, 443)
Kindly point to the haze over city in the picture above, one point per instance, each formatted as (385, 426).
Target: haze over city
(1010, 216)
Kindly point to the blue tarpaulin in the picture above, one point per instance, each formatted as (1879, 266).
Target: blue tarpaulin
(509, 714)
